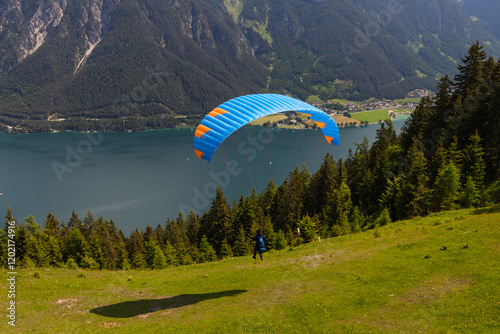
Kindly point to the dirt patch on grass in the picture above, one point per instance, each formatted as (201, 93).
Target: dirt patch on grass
(67, 303)
(392, 317)
(436, 288)
(413, 302)
(110, 324)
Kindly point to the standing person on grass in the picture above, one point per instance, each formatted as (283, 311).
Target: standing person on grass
(260, 245)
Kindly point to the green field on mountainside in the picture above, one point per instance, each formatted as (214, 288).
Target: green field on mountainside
(372, 116)
(437, 274)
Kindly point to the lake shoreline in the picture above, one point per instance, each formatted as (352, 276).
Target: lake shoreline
(403, 116)
(145, 177)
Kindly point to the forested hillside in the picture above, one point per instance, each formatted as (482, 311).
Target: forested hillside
(447, 157)
(135, 64)
(358, 49)
(485, 12)
(116, 65)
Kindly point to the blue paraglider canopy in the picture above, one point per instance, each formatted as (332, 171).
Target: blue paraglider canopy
(231, 115)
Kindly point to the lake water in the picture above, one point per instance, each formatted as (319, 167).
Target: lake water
(142, 178)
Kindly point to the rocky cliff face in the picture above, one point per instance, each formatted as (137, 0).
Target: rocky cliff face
(82, 58)
(25, 26)
(77, 58)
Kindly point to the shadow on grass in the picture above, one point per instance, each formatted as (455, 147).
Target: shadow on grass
(137, 307)
(490, 209)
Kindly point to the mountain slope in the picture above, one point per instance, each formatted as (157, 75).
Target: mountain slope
(439, 273)
(485, 12)
(141, 63)
(147, 58)
(360, 48)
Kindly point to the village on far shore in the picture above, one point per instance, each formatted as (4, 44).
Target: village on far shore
(349, 113)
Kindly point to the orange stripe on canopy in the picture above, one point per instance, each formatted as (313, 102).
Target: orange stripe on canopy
(198, 153)
(200, 130)
(303, 113)
(217, 111)
(320, 124)
(329, 139)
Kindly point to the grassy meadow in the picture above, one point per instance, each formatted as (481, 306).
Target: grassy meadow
(340, 119)
(270, 118)
(415, 100)
(372, 116)
(438, 274)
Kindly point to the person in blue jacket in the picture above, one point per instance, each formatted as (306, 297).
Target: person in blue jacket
(260, 245)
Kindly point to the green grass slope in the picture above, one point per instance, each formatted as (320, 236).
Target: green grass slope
(437, 274)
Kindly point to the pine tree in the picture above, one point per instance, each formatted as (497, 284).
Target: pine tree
(75, 247)
(217, 222)
(379, 163)
(356, 219)
(138, 261)
(447, 188)
(154, 256)
(384, 218)
(87, 226)
(437, 163)
(279, 241)
(267, 197)
(207, 253)
(96, 252)
(338, 209)
(149, 234)
(124, 261)
(470, 72)
(412, 196)
(226, 250)
(22, 234)
(321, 185)
(74, 221)
(454, 154)
(475, 166)
(52, 226)
(135, 244)
(171, 256)
(36, 252)
(113, 243)
(417, 125)
(88, 262)
(290, 200)
(308, 228)
(469, 196)
(35, 243)
(159, 260)
(176, 235)
(443, 100)
(193, 228)
(360, 177)
(54, 250)
(241, 246)
(160, 235)
(491, 124)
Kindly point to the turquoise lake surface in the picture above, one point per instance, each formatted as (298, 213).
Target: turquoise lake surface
(143, 178)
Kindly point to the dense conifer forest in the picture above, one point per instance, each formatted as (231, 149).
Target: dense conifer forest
(446, 157)
(132, 65)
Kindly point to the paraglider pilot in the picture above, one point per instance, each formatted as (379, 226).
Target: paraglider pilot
(259, 245)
